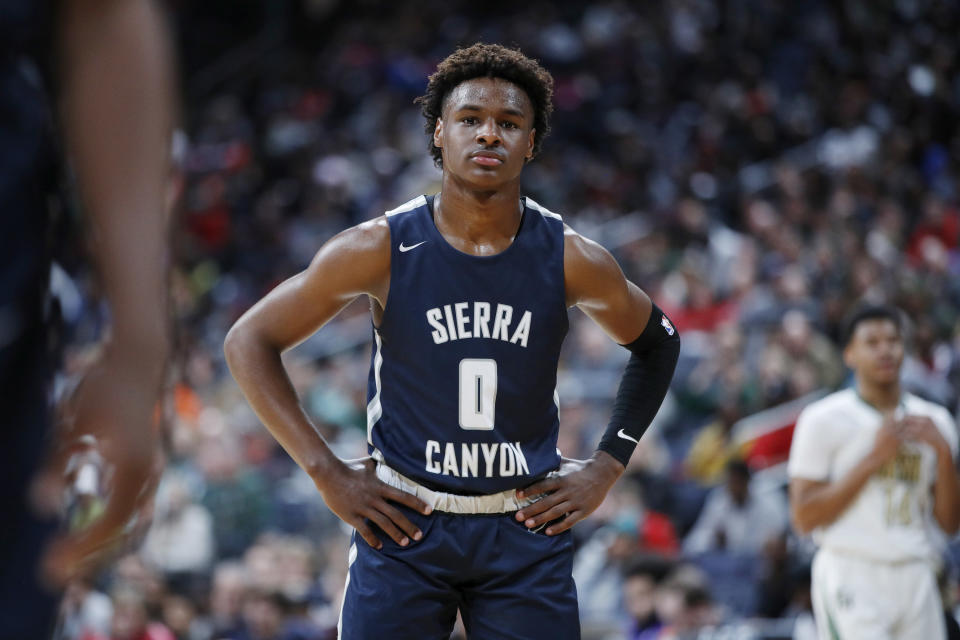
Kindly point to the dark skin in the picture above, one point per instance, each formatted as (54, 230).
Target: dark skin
(122, 180)
(486, 135)
(875, 353)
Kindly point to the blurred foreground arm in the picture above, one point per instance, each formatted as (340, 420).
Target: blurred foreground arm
(115, 72)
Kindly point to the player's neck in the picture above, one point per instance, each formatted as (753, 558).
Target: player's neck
(882, 397)
(477, 217)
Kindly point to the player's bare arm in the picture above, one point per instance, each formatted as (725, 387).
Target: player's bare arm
(596, 284)
(117, 121)
(353, 263)
(816, 503)
(946, 489)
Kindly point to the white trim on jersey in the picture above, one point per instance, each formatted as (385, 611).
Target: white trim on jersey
(409, 205)
(543, 210)
(374, 409)
(556, 398)
(351, 558)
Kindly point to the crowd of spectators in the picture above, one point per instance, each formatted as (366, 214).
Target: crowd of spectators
(760, 168)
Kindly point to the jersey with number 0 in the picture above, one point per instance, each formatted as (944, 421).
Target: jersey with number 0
(891, 518)
(462, 391)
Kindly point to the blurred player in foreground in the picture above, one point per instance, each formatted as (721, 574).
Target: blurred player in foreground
(871, 472)
(113, 73)
(464, 502)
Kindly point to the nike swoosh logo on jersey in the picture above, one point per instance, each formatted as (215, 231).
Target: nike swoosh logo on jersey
(621, 434)
(404, 249)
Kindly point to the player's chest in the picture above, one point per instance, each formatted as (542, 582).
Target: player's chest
(856, 437)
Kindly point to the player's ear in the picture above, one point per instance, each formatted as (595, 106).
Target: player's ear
(438, 134)
(849, 358)
(531, 139)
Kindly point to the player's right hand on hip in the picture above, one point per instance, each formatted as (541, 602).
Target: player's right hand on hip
(353, 491)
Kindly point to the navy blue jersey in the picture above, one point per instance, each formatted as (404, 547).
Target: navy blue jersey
(27, 609)
(462, 392)
(26, 164)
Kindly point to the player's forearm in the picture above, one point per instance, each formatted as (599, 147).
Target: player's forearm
(258, 370)
(116, 76)
(946, 493)
(820, 505)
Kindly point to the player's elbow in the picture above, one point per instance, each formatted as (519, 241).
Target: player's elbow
(235, 344)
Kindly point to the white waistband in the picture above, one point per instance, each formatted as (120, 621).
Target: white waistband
(503, 502)
(859, 556)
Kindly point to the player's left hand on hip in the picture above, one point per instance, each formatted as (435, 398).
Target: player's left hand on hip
(572, 494)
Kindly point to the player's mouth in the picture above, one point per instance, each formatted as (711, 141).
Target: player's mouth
(887, 365)
(486, 158)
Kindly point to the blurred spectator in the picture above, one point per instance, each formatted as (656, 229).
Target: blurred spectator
(142, 581)
(267, 616)
(713, 448)
(181, 617)
(85, 612)
(180, 541)
(736, 519)
(803, 348)
(131, 620)
(235, 496)
(642, 578)
(683, 605)
(598, 570)
(230, 585)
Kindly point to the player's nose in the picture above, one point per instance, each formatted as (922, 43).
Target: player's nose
(488, 133)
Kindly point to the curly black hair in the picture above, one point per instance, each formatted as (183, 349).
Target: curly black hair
(488, 61)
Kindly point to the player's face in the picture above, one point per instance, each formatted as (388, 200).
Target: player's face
(486, 132)
(875, 351)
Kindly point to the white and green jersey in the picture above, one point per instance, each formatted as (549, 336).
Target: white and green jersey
(891, 519)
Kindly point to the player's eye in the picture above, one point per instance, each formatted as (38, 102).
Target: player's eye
(468, 120)
(506, 124)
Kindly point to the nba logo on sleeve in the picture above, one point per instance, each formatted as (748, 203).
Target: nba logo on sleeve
(665, 323)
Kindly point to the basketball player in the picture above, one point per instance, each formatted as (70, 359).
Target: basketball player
(871, 471)
(464, 501)
(114, 79)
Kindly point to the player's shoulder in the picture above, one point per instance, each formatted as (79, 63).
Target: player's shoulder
(920, 406)
(407, 207)
(374, 234)
(829, 405)
(579, 248)
(538, 208)
(370, 236)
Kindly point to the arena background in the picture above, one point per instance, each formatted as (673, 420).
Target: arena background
(758, 167)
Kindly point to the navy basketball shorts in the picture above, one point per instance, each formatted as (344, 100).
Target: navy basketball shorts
(508, 582)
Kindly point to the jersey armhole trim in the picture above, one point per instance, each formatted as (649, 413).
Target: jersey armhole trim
(409, 205)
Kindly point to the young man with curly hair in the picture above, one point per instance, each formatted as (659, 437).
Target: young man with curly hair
(464, 501)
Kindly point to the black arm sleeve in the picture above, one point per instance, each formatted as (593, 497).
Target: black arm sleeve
(643, 386)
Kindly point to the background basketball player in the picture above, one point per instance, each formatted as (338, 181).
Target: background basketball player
(871, 470)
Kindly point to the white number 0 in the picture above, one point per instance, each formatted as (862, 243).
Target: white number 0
(478, 393)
